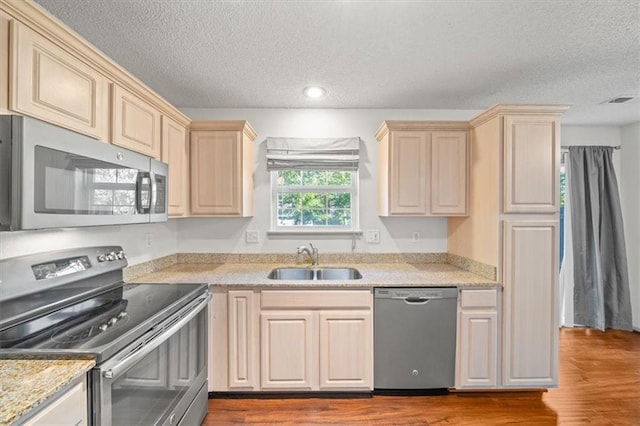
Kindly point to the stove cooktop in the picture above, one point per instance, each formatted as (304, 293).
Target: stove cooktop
(100, 324)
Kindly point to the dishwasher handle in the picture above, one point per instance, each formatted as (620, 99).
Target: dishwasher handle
(415, 300)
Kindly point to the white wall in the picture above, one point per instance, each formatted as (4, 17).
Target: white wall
(130, 237)
(630, 193)
(227, 235)
(626, 162)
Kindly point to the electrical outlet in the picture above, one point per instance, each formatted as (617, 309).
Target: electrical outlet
(372, 236)
(148, 239)
(252, 237)
(415, 236)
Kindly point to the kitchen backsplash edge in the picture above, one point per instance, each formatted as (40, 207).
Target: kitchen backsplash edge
(470, 265)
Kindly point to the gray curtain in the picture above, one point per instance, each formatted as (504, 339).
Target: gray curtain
(601, 292)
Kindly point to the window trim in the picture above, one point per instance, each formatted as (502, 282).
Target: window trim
(354, 228)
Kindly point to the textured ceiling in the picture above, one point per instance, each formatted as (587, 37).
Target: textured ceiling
(433, 54)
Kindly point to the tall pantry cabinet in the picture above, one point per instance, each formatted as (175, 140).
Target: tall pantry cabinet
(513, 225)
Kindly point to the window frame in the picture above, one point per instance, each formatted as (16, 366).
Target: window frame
(354, 190)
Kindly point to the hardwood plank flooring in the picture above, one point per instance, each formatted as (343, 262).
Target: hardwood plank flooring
(599, 384)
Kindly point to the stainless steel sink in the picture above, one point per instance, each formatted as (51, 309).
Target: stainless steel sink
(338, 274)
(325, 274)
(291, 274)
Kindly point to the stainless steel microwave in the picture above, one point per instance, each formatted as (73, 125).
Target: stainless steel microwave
(52, 177)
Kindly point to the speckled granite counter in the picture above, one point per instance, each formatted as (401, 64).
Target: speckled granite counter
(25, 384)
(373, 275)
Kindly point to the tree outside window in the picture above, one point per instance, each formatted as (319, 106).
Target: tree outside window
(314, 198)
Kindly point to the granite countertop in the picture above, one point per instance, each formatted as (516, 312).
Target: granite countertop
(373, 275)
(27, 383)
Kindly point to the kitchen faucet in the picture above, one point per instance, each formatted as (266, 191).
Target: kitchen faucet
(313, 253)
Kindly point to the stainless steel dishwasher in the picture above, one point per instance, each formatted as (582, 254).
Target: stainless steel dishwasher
(414, 338)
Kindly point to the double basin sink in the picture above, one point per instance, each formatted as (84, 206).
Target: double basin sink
(308, 274)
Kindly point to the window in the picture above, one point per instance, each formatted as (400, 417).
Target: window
(314, 184)
(323, 199)
(113, 191)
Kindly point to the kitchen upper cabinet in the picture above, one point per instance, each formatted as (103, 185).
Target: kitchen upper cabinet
(136, 123)
(4, 62)
(243, 311)
(408, 153)
(530, 282)
(175, 152)
(422, 168)
(449, 173)
(477, 339)
(49, 83)
(70, 408)
(531, 164)
(221, 168)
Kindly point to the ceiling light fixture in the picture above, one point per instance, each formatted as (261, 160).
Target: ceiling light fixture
(314, 92)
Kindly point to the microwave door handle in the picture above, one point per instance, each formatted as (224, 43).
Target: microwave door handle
(147, 347)
(154, 192)
(141, 181)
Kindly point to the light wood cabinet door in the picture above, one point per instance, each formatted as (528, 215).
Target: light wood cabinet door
(408, 160)
(221, 173)
(51, 84)
(477, 355)
(243, 340)
(345, 350)
(135, 124)
(175, 152)
(477, 339)
(530, 327)
(4, 63)
(531, 183)
(449, 173)
(289, 352)
(70, 408)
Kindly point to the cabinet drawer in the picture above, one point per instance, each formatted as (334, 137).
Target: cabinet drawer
(316, 299)
(478, 298)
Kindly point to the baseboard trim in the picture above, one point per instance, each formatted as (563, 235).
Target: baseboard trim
(290, 395)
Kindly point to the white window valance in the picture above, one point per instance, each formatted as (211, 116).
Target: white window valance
(313, 153)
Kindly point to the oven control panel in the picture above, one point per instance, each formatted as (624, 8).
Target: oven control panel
(112, 256)
(61, 267)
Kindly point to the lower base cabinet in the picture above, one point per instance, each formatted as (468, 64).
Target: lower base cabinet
(291, 340)
(476, 358)
(70, 408)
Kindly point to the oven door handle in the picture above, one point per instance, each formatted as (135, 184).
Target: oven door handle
(157, 338)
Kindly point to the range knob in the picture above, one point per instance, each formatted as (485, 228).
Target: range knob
(102, 258)
(103, 327)
(122, 314)
(120, 254)
(112, 321)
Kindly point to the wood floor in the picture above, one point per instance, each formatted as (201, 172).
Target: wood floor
(599, 385)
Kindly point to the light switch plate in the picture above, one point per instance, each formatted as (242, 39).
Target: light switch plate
(252, 237)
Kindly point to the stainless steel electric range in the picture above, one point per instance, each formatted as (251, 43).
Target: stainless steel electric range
(149, 340)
